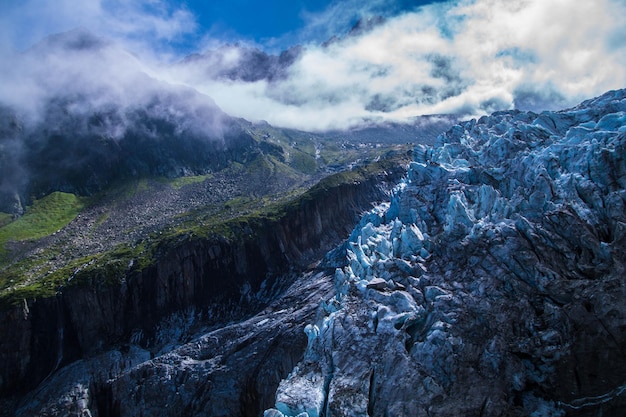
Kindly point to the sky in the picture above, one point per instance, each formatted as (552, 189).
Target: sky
(184, 27)
(468, 57)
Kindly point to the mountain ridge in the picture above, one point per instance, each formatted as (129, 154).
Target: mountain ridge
(483, 276)
(96, 117)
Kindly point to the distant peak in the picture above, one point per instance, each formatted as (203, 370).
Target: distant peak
(79, 39)
(365, 25)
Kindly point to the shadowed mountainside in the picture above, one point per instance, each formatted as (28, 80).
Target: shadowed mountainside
(222, 276)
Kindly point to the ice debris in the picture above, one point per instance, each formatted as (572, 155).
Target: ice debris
(439, 281)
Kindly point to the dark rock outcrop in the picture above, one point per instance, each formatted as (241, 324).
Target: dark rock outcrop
(221, 278)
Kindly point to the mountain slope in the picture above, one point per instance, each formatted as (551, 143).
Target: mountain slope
(144, 156)
(215, 268)
(491, 283)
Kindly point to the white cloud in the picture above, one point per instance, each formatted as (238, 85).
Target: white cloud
(540, 44)
(339, 16)
(143, 24)
(470, 57)
(119, 70)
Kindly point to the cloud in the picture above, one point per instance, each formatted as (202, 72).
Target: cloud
(463, 57)
(123, 77)
(71, 65)
(145, 24)
(547, 46)
(469, 57)
(88, 85)
(340, 15)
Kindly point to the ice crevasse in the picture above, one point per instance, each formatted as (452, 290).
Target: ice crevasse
(461, 293)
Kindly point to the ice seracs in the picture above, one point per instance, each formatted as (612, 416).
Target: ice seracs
(474, 289)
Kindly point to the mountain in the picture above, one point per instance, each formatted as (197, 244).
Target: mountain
(110, 176)
(215, 267)
(102, 155)
(95, 117)
(241, 63)
(488, 279)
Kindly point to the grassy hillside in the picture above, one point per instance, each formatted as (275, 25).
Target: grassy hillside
(36, 276)
(43, 218)
(5, 218)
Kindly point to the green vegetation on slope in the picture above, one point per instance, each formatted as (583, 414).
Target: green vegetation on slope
(241, 216)
(5, 218)
(180, 182)
(254, 212)
(43, 218)
(93, 270)
(303, 161)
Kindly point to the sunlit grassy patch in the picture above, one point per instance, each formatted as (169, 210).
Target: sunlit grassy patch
(180, 182)
(5, 218)
(43, 218)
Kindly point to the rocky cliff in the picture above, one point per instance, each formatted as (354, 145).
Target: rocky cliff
(217, 279)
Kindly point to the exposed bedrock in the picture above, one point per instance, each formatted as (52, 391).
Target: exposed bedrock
(219, 278)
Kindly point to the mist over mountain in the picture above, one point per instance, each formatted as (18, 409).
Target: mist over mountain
(396, 209)
(488, 279)
(440, 58)
(365, 65)
(93, 114)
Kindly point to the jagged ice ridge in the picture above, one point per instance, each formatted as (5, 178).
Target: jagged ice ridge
(480, 287)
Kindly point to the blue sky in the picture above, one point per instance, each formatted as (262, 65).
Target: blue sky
(254, 19)
(468, 57)
(183, 27)
(268, 20)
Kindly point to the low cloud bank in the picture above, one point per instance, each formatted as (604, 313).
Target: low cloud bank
(465, 57)
(468, 58)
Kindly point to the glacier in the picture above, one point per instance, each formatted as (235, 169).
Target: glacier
(491, 283)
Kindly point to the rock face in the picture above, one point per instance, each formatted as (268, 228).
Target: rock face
(203, 280)
(233, 370)
(491, 284)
